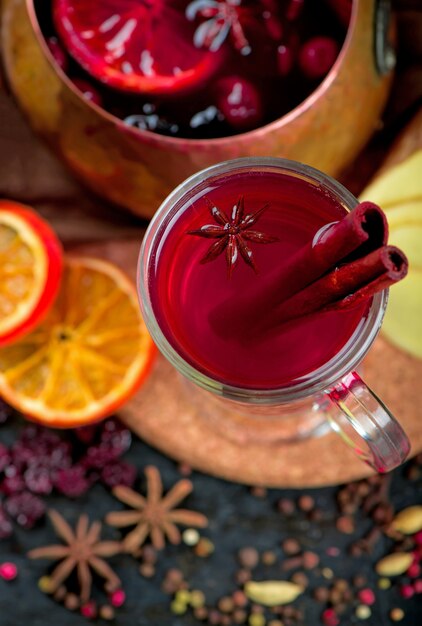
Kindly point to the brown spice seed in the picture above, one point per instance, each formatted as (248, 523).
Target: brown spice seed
(225, 604)
(321, 594)
(107, 612)
(396, 614)
(71, 602)
(269, 557)
(149, 554)
(345, 524)
(306, 503)
(239, 616)
(341, 584)
(259, 492)
(225, 620)
(360, 580)
(248, 557)
(242, 576)
(301, 579)
(286, 506)
(174, 574)
(291, 546)
(147, 570)
(201, 612)
(239, 598)
(310, 559)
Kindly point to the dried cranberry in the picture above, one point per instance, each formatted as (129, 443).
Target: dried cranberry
(239, 102)
(88, 91)
(22, 455)
(25, 508)
(86, 434)
(97, 457)
(316, 56)
(37, 479)
(4, 457)
(294, 9)
(72, 481)
(407, 591)
(118, 473)
(6, 527)
(12, 484)
(116, 436)
(59, 55)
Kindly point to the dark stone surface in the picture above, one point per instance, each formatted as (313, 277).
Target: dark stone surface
(237, 518)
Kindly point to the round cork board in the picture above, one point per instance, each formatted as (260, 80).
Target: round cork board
(163, 416)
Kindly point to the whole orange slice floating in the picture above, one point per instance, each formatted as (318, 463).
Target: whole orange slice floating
(30, 269)
(142, 46)
(88, 356)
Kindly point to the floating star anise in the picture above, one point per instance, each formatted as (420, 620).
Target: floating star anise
(223, 17)
(232, 234)
(154, 515)
(83, 550)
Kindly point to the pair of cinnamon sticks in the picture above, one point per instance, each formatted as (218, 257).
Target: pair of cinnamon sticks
(347, 262)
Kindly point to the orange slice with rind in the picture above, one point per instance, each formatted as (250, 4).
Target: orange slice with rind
(30, 269)
(88, 356)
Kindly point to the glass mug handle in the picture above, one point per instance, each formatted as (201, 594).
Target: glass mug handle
(365, 423)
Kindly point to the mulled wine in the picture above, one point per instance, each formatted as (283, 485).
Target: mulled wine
(198, 69)
(222, 240)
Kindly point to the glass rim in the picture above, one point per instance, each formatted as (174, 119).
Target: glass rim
(317, 381)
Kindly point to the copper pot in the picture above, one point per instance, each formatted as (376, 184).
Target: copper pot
(137, 169)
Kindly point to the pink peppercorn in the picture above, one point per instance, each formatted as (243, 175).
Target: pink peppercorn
(366, 596)
(329, 618)
(117, 598)
(407, 591)
(89, 610)
(418, 538)
(8, 571)
(414, 570)
(417, 585)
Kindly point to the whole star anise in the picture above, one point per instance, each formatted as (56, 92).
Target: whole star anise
(83, 550)
(223, 17)
(232, 234)
(154, 515)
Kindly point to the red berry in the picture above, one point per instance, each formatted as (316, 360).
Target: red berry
(329, 618)
(414, 570)
(417, 585)
(89, 610)
(407, 591)
(239, 102)
(317, 56)
(366, 596)
(59, 55)
(72, 481)
(88, 91)
(294, 9)
(117, 598)
(418, 538)
(8, 571)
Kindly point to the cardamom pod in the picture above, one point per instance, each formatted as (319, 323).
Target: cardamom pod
(394, 564)
(408, 521)
(272, 592)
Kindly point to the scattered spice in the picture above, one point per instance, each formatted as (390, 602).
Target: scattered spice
(154, 515)
(82, 550)
(272, 592)
(106, 612)
(363, 611)
(306, 503)
(384, 583)
(408, 521)
(8, 571)
(232, 234)
(204, 547)
(396, 614)
(190, 536)
(291, 546)
(394, 564)
(248, 557)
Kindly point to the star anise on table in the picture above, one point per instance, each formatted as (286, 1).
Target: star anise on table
(82, 551)
(232, 234)
(154, 515)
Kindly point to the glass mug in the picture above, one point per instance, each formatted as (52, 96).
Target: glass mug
(331, 394)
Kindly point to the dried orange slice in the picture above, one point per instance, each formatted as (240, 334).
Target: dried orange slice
(30, 269)
(87, 357)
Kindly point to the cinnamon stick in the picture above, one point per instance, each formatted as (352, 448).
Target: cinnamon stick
(343, 287)
(360, 232)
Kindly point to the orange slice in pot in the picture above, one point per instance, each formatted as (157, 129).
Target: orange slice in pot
(141, 46)
(88, 356)
(30, 269)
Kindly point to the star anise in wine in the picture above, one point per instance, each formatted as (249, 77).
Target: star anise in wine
(232, 234)
(223, 18)
(82, 551)
(154, 515)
